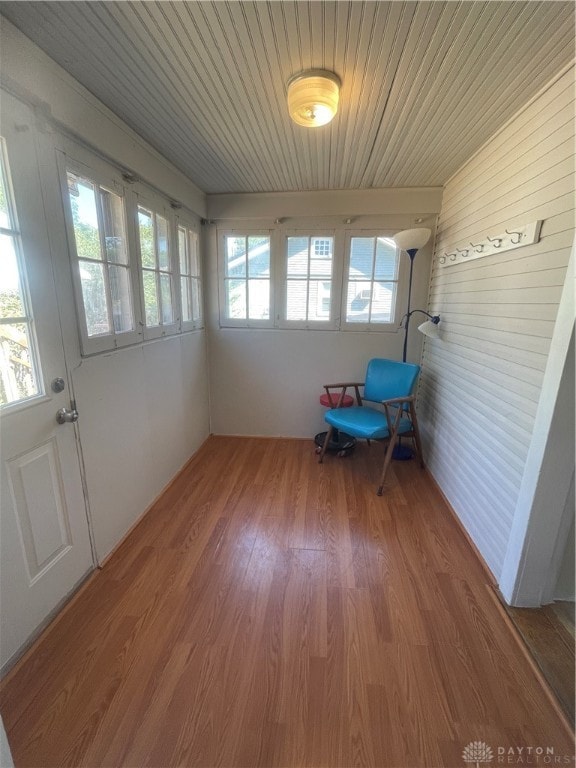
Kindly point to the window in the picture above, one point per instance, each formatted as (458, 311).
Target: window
(322, 248)
(189, 270)
(155, 259)
(372, 280)
(308, 278)
(246, 278)
(136, 263)
(102, 276)
(19, 374)
(325, 279)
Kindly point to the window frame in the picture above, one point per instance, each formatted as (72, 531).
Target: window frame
(100, 173)
(320, 233)
(192, 225)
(401, 282)
(150, 200)
(228, 322)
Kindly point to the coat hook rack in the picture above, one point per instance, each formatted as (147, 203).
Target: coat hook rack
(512, 237)
(515, 242)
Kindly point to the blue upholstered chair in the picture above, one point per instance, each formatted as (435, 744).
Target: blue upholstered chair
(390, 384)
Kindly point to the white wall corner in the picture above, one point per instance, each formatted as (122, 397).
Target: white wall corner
(539, 517)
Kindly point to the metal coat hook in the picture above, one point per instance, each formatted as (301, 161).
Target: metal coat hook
(492, 245)
(515, 242)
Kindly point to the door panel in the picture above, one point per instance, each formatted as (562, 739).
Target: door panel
(36, 484)
(45, 548)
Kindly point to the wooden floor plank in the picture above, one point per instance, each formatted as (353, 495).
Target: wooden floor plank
(270, 611)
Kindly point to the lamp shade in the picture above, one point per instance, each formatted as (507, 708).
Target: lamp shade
(430, 329)
(313, 97)
(412, 239)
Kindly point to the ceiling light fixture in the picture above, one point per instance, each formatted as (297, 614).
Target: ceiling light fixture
(313, 97)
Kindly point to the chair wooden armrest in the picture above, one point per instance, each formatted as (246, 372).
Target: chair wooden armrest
(344, 386)
(396, 400)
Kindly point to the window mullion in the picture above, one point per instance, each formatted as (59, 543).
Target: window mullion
(104, 262)
(372, 284)
(9, 232)
(246, 265)
(308, 278)
(157, 279)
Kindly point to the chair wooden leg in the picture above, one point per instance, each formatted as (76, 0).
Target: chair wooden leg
(387, 460)
(326, 443)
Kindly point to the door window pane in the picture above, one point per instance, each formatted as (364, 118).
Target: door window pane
(11, 303)
(19, 377)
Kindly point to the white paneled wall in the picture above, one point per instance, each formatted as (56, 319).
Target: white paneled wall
(481, 382)
(144, 413)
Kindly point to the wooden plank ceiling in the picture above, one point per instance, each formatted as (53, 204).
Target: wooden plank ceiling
(425, 84)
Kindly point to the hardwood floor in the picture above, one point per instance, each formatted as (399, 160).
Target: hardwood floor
(549, 635)
(270, 611)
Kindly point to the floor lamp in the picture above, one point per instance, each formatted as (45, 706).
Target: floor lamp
(411, 240)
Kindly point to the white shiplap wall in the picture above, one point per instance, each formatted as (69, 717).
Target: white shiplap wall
(481, 383)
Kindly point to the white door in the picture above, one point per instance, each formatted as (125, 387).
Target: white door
(45, 548)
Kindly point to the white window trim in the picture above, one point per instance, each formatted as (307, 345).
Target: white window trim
(101, 173)
(333, 323)
(192, 223)
(227, 322)
(401, 286)
(151, 200)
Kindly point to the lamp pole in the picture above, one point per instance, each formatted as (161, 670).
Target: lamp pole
(411, 253)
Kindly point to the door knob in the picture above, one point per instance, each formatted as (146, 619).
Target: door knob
(65, 416)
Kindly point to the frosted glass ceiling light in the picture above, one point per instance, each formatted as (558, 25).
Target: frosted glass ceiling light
(313, 97)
